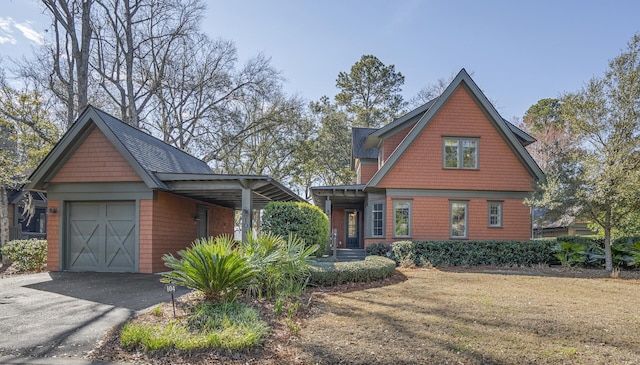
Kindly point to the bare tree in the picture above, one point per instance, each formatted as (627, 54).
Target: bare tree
(136, 40)
(69, 75)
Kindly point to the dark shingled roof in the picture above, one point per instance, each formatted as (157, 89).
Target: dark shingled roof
(152, 154)
(358, 139)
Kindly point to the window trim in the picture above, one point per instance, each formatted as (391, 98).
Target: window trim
(466, 218)
(372, 219)
(500, 213)
(409, 225)
(460, 158)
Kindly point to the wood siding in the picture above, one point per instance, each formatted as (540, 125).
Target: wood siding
(389, 144)
(338, 222)
(430, 220)
(421, 167)
(96, 160)
(173, 227)
(366, 171)
(53, 236)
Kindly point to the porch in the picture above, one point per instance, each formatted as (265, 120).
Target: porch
(344, 205)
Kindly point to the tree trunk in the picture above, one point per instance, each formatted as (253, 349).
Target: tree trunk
(608, 261)
(4, 218)
(82, 56)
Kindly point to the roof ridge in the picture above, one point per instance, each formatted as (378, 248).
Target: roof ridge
(142, 132)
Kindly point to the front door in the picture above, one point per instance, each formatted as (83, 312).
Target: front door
(353, 229)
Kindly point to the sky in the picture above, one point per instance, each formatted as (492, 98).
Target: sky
(518, 51)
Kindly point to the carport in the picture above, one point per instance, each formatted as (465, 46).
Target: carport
(238, 192)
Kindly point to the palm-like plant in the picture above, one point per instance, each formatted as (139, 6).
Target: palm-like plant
(212, 266)
(283, 263)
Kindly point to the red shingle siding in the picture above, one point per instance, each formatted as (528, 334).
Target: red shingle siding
(430, 220)
(96, 160)
(145, 228)
(421, 164)
(53, 234)
(390, 143)
(174, 226)
(12, 222)
(221, 220)
(338, 222)
(366, 172)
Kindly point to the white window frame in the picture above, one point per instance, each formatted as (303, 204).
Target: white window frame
(403, 201)
(373, 219)
(459, 146)
(465, 203)
(498, 215)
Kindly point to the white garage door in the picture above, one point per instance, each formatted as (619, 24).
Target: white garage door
(101, 236)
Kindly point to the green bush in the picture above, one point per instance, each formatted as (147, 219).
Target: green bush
(283, 265)
(26, 255)
(378, 249)
(570, 253)
(474, 253)
(212, 266)
(373, 268)
(306, 221)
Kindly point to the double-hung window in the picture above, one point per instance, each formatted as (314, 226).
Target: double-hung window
(377, 219)
(495, 213)
(459, 214)
(460, 153)
(402, 218)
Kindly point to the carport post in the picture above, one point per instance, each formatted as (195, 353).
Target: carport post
(247, 213)
(327, 210)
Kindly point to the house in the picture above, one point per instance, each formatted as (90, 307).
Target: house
(566, 225)
(25, 226)
(119, 199)
(451, 169)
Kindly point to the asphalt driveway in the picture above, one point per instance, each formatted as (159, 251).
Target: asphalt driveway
(67, 314)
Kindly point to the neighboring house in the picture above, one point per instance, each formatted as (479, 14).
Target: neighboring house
(25, 226)
(566, 225)
(119, 199)
(452, 168)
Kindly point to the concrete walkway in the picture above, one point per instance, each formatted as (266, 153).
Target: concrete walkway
(63, 316)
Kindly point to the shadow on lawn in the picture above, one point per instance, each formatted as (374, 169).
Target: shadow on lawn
(432, 326)
(544, 271)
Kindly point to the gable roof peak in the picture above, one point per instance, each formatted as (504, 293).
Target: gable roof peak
(146, 154)
(426, 117)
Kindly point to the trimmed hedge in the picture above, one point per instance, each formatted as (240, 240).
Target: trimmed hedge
(474, 253)
(306, 221)
(26, 255)
(329, 273)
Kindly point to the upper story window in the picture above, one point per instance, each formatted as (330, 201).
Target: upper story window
(460, 153)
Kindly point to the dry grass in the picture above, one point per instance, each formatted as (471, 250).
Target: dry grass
(458, 316)
(477, 318)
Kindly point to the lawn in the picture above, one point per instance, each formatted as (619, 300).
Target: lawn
(477, 318)
(440, 316)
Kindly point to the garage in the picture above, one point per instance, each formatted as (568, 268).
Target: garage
(101, 236)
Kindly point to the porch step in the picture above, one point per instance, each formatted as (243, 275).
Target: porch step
(350, 254)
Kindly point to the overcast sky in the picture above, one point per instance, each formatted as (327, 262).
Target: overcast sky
(518, 51)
